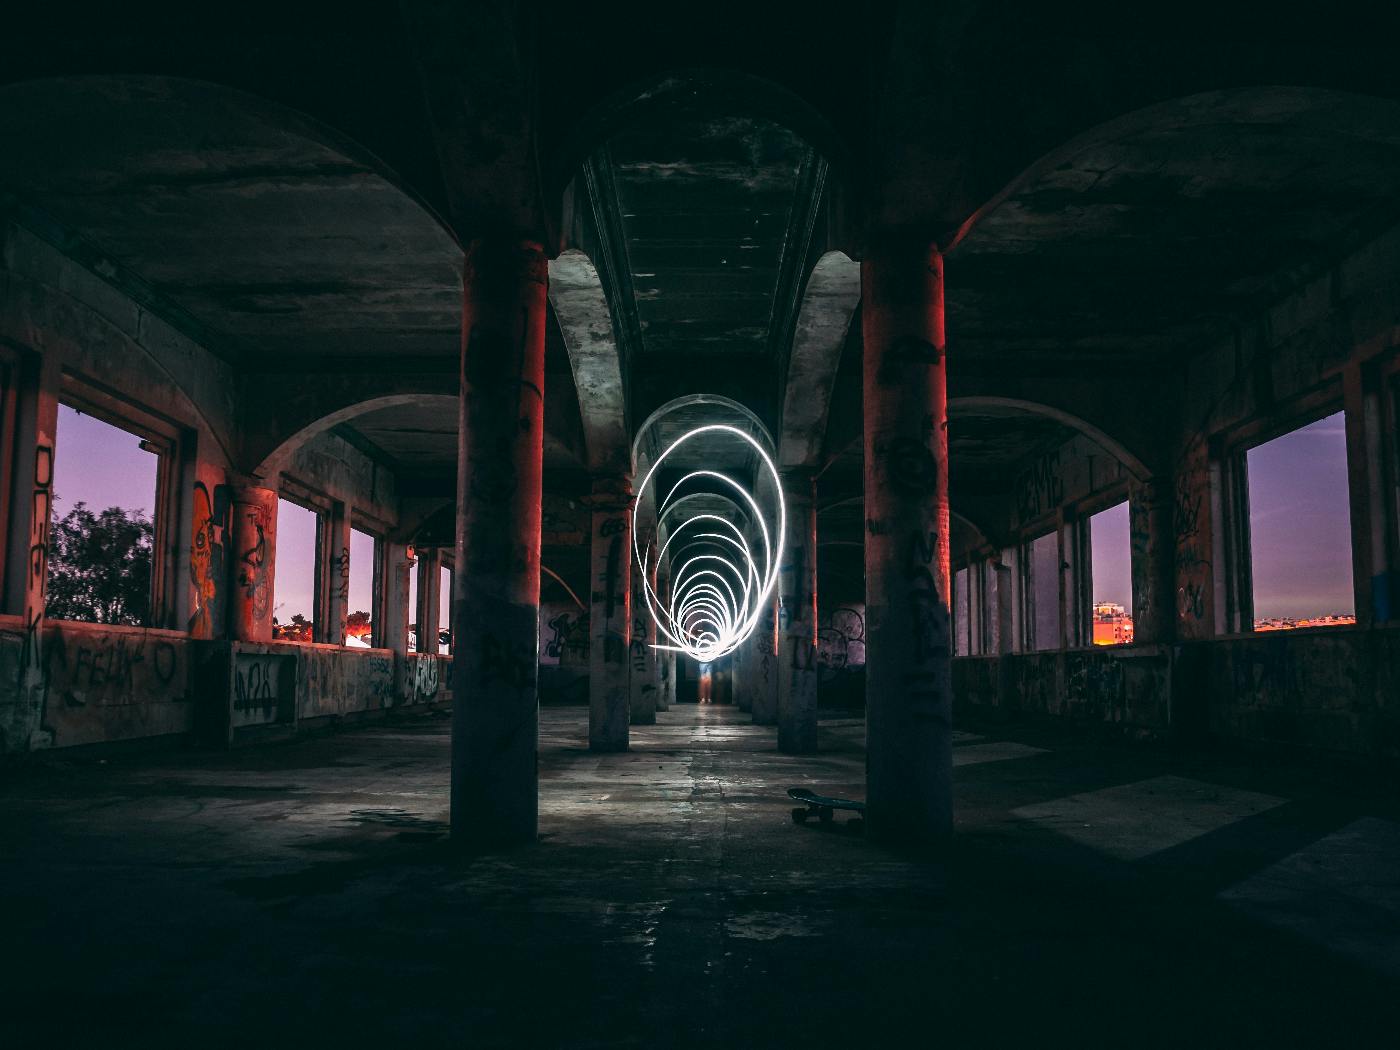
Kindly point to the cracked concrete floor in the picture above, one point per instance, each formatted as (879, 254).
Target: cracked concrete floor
(304, 893)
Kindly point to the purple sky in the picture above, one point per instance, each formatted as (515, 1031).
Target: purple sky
(1299, 522)
(445, 604)
(100, 465)
(361, 572)
(294, 577)
(1110, 546)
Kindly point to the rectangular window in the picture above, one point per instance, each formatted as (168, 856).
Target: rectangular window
(1111, 576)
(102, 538)
(1045, 591)
(961, 620)
(1014, 582)
(413, 571)
(445, 610)
(1300, 529)
(294, 574)
(359, 620)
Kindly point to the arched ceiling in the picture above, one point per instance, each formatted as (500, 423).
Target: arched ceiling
(1146, 238)
(277, 240)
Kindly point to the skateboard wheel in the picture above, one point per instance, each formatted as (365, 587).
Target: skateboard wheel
(799, 816)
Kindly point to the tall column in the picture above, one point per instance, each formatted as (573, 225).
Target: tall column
(743, 660)
(907, 581)
(429, 611)
(254, 560)
(1150, 523)
(665, 660)
(32, 496)
(642, 672)
(609, 614)
(495, 614)
(392, 627)
(797, 582)
(338, 593)
(764, 644)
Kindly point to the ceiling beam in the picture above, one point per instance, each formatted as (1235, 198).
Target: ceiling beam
(833, 292)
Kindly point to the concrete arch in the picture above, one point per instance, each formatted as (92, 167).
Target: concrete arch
(136, 89)
(743, 412)
(705, 89)
(828, 304)
(37, 316)
(1262, 104)
(580, 307)
(972, 404)
(303, 416)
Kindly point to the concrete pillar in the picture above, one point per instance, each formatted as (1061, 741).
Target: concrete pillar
(1150, 528)
(429, 611)
(391, 629)
(797, 583)
(495, 614)
(764, 646)
(907, 579)
(672, 684)
(609, 613)
(338, 563)
(743, 660)
(27, 553)
(255, 558)
(643, 676)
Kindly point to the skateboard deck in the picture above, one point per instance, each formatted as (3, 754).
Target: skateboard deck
(820, 806)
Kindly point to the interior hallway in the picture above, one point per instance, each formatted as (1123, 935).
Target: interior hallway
(307, 890)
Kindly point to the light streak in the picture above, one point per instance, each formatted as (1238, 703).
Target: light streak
(720, 586)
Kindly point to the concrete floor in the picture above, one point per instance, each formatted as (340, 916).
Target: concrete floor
(303, 893)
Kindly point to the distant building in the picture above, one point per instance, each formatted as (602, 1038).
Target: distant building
(1289, 623)
(1112, 624)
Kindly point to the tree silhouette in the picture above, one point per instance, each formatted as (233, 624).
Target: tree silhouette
(100, 566)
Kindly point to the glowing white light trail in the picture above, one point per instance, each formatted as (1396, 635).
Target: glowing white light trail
(720, 585)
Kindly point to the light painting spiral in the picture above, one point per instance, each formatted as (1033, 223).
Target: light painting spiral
(721, 579)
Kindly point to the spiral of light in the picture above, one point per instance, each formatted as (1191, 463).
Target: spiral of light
(720, 582)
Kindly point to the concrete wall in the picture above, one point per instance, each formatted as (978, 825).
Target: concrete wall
(70, 684)
(841, 655)
(249, 691)
(1328, 690)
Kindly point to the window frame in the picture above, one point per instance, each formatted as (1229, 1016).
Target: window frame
(1085, 512)
(1026, 572)
(375, 530)
(1230, 464)
(308, 499)
(161, 436)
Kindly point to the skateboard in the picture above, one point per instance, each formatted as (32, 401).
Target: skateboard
(822, 807)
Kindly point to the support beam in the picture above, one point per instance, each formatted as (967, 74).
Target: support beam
(828, 303)
(797, 664)
(764, 643)
(338, 593)
(908, 670)
(495, 616)
(255, 560)
(609, 613)
(642, 673)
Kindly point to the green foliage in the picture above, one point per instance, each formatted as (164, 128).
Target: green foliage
(100, 566)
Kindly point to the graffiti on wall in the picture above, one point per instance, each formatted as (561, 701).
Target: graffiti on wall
(1039, 488)
(208, 567)
(1191, 528)
(252, 564)
(841, 642)
(261, 689)
(563, 635)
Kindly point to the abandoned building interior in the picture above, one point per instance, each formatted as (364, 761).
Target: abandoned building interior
(364, 377)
